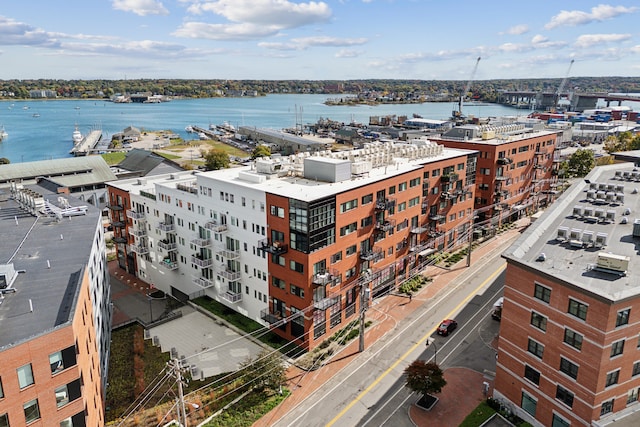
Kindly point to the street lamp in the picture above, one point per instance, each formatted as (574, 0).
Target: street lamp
(435, 349)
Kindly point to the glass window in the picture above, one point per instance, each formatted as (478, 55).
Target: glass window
(623, 317)
(531, 374)
(55, 361)
(617, 348)
(612, 378)
(25, 376)
(529, 404)
(558, 421)
(1, 390)
(607, 407)
(62, 395)
(564, 395)
(4, 420)
(539, 321)
(569, 368)
(542, 293)
(573, 338)
(634, 372)
(535, 348)
(578, 309)
(633, 395)
(31, 411)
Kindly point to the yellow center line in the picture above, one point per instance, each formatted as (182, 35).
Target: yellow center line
(412, 348)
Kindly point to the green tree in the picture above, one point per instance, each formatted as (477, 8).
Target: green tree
(4, 161)
(424, 377)
(581, 162)
(265, 372)
(260, 151)
(613, 145)
(215, 159)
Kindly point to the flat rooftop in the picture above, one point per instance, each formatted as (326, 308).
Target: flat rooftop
(581, 216)
(50, 256)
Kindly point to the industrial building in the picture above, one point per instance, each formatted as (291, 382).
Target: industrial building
(55, 314)
(569, 346)
(292, 241)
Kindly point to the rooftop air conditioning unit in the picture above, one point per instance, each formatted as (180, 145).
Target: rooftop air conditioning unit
(563, 233)
(613, 262)
(601, 239)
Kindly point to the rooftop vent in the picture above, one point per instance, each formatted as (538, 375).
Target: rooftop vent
(612, 263)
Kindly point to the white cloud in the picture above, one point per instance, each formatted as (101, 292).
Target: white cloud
(588, 40)
(141, 7)
(306, 42)
(513, 47)
(517, 30)
(20, 34)
(577, 17)
(348, 53)
(541, 42)
(202, 30)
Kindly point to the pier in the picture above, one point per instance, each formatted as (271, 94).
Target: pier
(87, 144)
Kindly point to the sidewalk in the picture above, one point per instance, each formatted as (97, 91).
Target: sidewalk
(464, 389)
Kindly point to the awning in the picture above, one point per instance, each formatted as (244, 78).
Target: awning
(427, 252)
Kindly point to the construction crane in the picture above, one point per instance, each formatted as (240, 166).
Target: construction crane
(562, 85)
(458, 114)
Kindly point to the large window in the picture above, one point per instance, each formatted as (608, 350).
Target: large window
(558, 421)
(67, 393)
(535, 348)
(564, 395)
(529, 404)
(531, 374)
(617, 348)
(25, 376)
(612, 378)
(623, 317)
(31, 411)
(607, 407)
(573, 338)
(347, 206)
(542, 293)
(569, 368)
(539, 321)
(633, 395)
(634, 372)
(578, 309)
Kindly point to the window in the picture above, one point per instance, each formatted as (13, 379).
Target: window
(632, 397)
(62, 396)
(535, 348)
(336, 257)
(4, 420)
(402, 186)
(55, 361)
(295, 290)
(607, 407)
(569, 368)
(573, 338)
(564, 395)
(542, 293)
(296, 266)
(1, 390)
(25, 376)
(31, 411)
(539, 321)
(529, 404)
(367, 199)
(531, 374)
(617, 348)
(365, 222)
(348, 229)
(414, 182)
(634, 372)
(578, 309)
(612, 378)
(278, 283)
(347, 206)
(558, 421)
(622, 317)
(402, 206)
(351, 250)
(414, 201)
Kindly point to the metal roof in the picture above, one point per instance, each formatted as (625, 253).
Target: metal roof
(70, 172)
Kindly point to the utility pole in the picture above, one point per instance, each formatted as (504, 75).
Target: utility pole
(363, 308)
(174, 365)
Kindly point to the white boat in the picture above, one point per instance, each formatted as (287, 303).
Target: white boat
(202, 135)
(77, 136)
(3, 133)
(189, 129)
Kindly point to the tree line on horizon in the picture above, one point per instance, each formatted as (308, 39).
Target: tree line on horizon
(482, 90)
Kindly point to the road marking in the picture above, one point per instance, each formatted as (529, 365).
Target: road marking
(413, 347)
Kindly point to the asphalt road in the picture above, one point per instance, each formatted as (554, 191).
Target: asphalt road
(371, 392)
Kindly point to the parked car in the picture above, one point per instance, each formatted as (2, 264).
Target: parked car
(447, 326)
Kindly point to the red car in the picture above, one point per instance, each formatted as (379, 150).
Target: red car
(446, 327)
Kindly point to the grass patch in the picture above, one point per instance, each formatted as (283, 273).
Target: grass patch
(480, 414)
(114, 158)
(248, 410)
(167, 156)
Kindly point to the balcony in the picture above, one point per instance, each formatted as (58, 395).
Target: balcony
(270, 316)
(134, 214)
(436, 216)
(118, 224)
(168, 246)
(326, 277)
(119, 239)
(385, 204)
(166, 227)
(373, 254)
(385, 225)
(168, 264)
(201, 262)
(203, 282)
(229, 254)
(329, 301)
(452, 177)
(232, 296)
(115, 207)
(137, 231)
(419, 230)
(275, 247)
(447, 196)
(216, 227)
(201, 242)
(139, 249)
(232, 276)
(503, 177)
(505, 160)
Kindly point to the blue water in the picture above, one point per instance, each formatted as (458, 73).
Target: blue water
(49, 135)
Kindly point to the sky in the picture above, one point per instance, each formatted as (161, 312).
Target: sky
(318, 40)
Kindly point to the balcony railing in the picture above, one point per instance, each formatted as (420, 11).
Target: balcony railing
(452, 177)
(139, 249)
(419, 230)
(270, 316)
(203, 282)
(436, 216)
(118, 224)
(200, 262)
(372, 254)
(169, 265)
(232, 296)
(505, 160)
(134, 214)
(329, 276)
(386, 225)
(503, 177)
(274, 247)
(324, 303)
(232, 276)
(385, 204)
(201, 242)
(119, 239)
(215, 226)
(166, 227)
(137, 232)
(229, 254)
(115, 207)
(168, 246)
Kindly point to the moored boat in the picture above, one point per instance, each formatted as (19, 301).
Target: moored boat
(77, 136)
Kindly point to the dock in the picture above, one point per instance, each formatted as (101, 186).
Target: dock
(87, 144)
